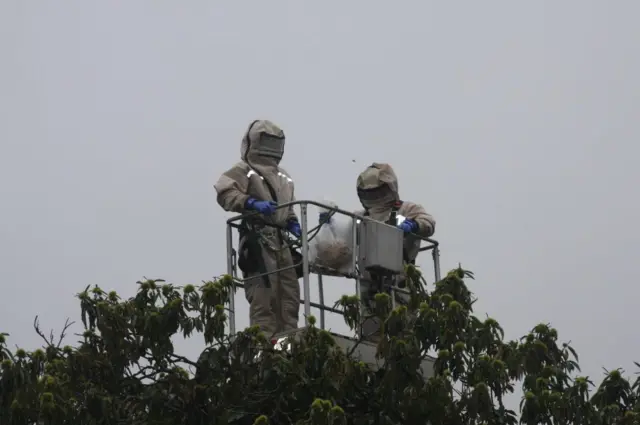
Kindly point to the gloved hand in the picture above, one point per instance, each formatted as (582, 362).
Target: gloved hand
(408, 226)
(324, 217)
(294, 227)
(263, 207)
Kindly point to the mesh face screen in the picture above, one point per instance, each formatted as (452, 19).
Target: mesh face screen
(270, 146)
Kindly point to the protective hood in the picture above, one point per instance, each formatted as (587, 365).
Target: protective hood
(377, 189)
(263, 144)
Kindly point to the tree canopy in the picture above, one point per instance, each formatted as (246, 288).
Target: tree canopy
(127, 370)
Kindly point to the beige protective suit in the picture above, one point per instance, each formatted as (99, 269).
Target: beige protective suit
(377, 188)
(274, 300)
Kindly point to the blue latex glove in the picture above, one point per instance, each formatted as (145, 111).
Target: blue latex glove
(324, 218)
(408, 226)
(263, 207)
(294, 227)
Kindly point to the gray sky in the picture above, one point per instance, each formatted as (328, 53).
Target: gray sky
(514, 123)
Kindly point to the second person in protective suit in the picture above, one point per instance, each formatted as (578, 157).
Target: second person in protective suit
(377, 188)
(258, 183)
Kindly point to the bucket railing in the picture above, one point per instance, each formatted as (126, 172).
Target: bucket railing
(307, 269)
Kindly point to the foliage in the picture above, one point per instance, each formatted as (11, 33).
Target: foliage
(126, 370)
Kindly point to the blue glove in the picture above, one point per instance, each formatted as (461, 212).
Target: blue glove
(294, 227)
(263, 207)
(408, 226)
(324, 218)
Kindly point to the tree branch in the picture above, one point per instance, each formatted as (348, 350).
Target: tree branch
(51, 340)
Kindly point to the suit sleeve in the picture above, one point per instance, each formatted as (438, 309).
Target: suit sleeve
(292, 214)
(426, 222)
(232, 187)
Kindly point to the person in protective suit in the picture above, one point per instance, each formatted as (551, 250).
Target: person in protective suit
(258, 183)
(377, 188)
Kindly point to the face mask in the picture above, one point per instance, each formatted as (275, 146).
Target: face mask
(271, 146)
(379, 196)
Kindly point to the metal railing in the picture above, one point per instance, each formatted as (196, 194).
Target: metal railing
(235, 222)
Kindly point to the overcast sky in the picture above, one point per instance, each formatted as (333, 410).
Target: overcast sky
(514, 123)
